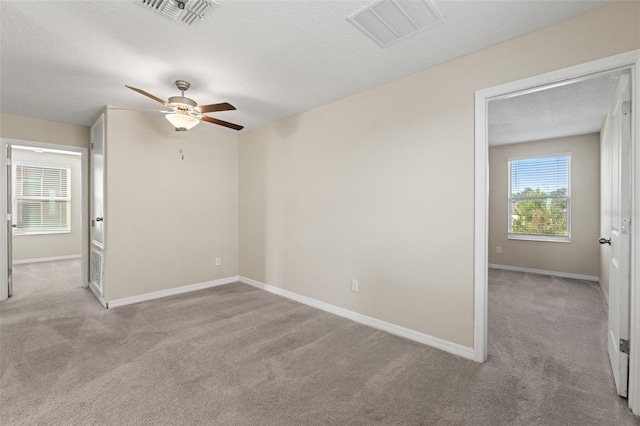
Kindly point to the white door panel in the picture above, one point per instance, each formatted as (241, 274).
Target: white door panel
(10, 221)
(97, 182)
(96, 263)
(619, 265)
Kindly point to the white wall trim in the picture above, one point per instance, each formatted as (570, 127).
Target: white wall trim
(453, 348)
(47, 259)
(170, 292)
(604, 291)
(545, 272)
(481, 230)
(98, 295)
(528, 85)
(634, 279)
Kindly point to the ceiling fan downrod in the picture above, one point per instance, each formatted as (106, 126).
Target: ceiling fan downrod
(182, 86)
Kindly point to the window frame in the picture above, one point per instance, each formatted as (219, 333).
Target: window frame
(539, 237)
(35, 231)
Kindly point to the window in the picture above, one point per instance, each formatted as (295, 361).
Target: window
(42, 199)
(540, 198)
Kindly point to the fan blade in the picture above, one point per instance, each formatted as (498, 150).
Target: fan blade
(222, 123)
(149, 95)
(215, 107)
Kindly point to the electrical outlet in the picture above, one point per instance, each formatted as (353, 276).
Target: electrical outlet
(218, 262)
(499, 250)
(354, 285)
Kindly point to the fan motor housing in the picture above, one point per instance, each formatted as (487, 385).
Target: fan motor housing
(182, 101)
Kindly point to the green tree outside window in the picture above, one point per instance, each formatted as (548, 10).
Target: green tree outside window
(539, 197)
(540, 216)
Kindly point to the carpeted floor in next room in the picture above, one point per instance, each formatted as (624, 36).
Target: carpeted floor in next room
(235, 355)
(45, 278)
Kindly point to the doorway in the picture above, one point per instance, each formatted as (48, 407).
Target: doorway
(46, 237)
(629, 60)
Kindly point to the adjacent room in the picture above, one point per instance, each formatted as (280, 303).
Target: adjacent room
(550, 200)
(46, 245)
(284, 218)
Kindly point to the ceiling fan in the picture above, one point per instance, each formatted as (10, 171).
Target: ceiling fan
(186, 113)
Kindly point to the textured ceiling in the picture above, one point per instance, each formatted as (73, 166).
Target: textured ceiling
(65, 60)
(574, 109)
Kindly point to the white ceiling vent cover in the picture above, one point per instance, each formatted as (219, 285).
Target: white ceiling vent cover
(389, 21)
(185, 12)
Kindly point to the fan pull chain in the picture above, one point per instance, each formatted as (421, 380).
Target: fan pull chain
(181, 153)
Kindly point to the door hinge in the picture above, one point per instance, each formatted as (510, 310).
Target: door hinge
(91, 145)
(624, 346)
(626, 107)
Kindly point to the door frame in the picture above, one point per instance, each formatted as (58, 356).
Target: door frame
(84, 159)
(481, 226)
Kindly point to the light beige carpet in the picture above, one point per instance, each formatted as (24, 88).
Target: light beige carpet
(235, 355)
(45, 278)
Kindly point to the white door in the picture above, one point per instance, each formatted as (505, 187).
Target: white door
(9, 223)
(97, 205)
(619, 236)
(97, 183)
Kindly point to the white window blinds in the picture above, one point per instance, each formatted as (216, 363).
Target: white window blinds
(42, 198)
(539, 197)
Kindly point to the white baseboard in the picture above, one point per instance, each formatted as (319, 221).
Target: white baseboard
(46, 259)
(170, 292)
(98, 295)
(453, 348)
(604, 291)
(545, 272)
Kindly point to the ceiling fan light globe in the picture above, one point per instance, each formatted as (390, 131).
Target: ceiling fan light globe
(182, 121)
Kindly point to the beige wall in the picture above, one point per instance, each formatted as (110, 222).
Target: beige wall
(167, 219)
(581, 255)
(53, 245)
(36, 130)
(605, 201)
(379, 186)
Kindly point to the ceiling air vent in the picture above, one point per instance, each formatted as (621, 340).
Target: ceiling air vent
(185, 12)
(389, 21)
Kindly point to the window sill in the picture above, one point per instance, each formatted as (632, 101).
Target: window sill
(545, 238)
(26, 233)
